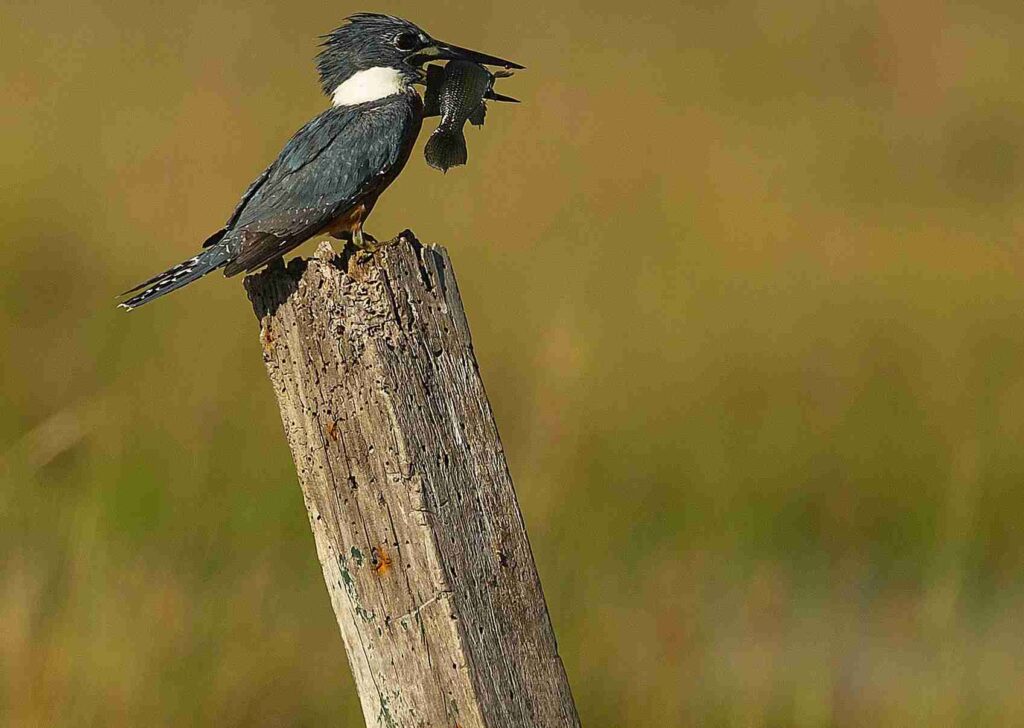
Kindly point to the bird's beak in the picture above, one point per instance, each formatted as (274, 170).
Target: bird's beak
(439, 51)
(495, 96)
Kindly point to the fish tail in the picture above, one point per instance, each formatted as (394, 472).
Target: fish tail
(446, 148)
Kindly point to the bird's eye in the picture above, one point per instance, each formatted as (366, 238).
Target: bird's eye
(407, 41)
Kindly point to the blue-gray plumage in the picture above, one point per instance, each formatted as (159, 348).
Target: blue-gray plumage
(331, 172)
(341, 160)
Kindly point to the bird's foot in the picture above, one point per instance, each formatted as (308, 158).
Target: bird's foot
(370, 243)
(365, 242)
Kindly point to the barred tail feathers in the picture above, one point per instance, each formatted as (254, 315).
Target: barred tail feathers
(174, 278)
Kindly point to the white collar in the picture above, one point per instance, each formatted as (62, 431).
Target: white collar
(369, 85)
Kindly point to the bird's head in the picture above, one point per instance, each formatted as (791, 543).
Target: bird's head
(372, 56)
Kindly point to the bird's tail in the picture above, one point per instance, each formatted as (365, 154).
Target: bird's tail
(446, 148)
(174, 278)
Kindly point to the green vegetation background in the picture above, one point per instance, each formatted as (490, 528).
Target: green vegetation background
(745, 284)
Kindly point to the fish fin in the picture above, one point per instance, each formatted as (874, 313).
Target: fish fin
(477, 117)
(432, 94)
(446, 148)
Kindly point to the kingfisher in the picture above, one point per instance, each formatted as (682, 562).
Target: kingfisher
(329, 175)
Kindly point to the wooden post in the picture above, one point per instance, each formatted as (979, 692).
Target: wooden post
(415, 518)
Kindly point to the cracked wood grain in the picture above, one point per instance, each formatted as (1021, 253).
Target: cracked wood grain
(414, 515)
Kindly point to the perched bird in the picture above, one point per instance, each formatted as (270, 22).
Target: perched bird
(331, 172)
(457, 93)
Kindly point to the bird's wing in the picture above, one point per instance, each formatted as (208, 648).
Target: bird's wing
(240, 207)
(256, 184)
(325, 169)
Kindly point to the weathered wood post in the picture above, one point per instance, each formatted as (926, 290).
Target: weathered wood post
(415, 518)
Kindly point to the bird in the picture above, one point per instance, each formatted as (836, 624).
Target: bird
(328, 176)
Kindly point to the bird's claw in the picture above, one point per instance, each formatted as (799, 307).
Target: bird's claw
(366, 243)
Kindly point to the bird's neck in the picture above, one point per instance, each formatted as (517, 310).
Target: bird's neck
(370, 84)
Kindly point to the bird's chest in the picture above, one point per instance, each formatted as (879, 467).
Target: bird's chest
(390, 133)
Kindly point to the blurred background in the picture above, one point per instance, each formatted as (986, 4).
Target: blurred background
(745, 285)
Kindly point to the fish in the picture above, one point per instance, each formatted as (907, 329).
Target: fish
(456, 92)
